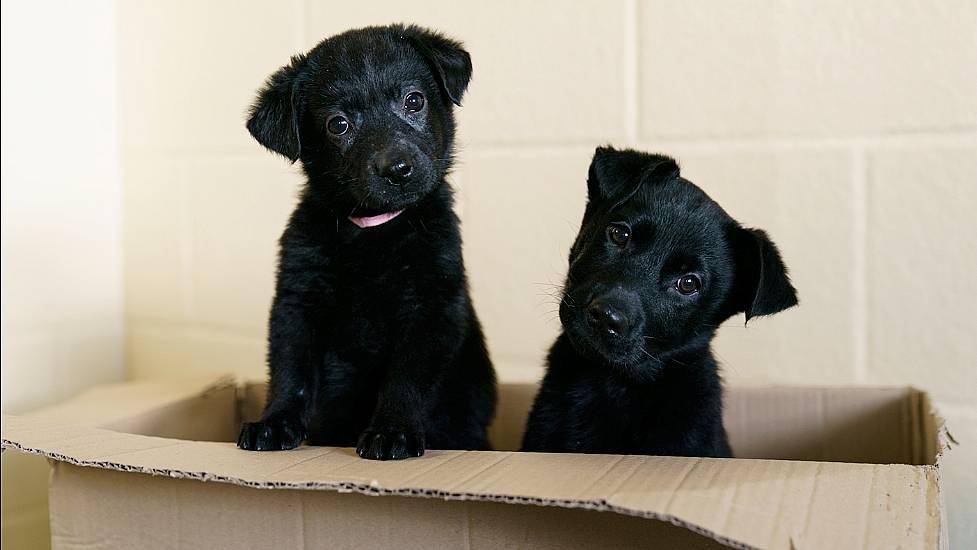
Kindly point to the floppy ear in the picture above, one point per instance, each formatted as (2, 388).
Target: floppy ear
(617, 174)
(447, 58)
(762, 285)
(273, 119)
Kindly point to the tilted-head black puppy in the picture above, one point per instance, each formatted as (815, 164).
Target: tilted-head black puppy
(656, 268)
(373, 341)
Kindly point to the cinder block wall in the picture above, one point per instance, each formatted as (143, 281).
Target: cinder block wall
(846, 129)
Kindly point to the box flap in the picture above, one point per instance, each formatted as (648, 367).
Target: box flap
(511, 414)
(166, 408)
(137, 511)
(741, 503)
(878, 425)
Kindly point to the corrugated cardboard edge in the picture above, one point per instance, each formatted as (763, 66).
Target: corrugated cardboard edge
(164, 394)
(367, 489)
(929, 428)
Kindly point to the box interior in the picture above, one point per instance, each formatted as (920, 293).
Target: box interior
(859, 425)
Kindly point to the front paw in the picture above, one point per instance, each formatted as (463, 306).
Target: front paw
(390, 444)
(276, 433)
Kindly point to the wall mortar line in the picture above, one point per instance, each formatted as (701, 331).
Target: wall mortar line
(859, 215)
(632, 68)
(186, 240)
(733, 144)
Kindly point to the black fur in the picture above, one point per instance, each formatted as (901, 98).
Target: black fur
(373, 341)
(632, 372)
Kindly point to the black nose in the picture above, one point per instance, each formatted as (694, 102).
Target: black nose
(396, 171)
(607, 318)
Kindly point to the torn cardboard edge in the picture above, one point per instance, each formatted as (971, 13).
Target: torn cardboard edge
(927, 435)
(934, 423)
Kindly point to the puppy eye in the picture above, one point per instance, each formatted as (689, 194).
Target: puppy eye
(688, 284)
(337, 125)
(414, 102)
(619, 233)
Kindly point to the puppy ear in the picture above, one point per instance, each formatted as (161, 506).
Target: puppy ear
(599, 178)
(617, 174)
(273, 119)
(447, 58)
(762, 285)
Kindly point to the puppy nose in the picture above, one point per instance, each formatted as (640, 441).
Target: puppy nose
(605, 317)
(396, 171)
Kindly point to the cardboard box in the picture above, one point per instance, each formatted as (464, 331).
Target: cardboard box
(151, 465)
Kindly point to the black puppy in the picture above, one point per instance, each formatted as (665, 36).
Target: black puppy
(373, 341)
(656, 268)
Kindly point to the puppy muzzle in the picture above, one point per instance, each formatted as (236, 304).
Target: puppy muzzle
(398, 164)
(614, 313)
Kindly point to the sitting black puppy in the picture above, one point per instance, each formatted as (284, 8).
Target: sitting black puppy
(373, 341)
(656, 268)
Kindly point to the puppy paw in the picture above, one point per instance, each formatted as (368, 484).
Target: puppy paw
(389, 444)
(276, 433)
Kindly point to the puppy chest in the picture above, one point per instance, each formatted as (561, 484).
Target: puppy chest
(637, 418)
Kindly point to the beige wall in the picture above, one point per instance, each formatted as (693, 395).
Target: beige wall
(847, 129)
(62, 227)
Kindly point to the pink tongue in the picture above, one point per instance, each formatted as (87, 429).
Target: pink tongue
(373, 221)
